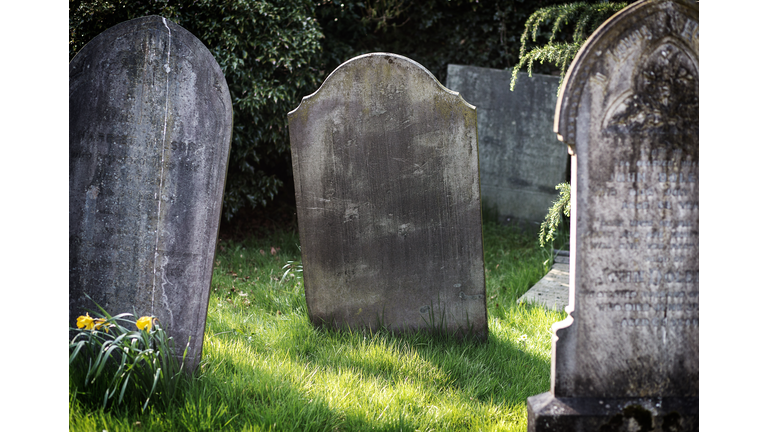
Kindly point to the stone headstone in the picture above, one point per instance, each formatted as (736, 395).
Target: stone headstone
(627, 357)
(521, 160)
(388, 200)
(150, 124)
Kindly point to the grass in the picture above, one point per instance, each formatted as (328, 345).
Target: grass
(265, 367)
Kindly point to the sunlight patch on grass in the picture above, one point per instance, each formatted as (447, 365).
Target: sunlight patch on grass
(266, 367)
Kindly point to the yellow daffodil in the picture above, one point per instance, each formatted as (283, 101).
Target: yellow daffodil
(144, 323)
(85, 321)
(98, 323)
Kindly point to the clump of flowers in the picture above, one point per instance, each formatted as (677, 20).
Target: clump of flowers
(89, 323)
(109, 362)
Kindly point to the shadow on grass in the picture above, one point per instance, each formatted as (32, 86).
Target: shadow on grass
(306, 378)
(483, 371)
(474, 377)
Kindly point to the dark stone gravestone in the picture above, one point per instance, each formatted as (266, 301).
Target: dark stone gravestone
(150, 124)
(388, 200)
(627, 357)
(521, 160)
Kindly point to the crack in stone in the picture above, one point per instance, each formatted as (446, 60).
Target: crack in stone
(160, 192)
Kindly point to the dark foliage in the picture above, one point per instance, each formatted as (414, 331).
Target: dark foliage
(433, 33)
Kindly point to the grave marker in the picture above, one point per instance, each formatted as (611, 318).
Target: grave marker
(150, 124)
(521, 160)
(626, 359)
(388, 200)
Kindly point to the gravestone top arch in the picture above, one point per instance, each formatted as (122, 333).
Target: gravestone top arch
(388, 200)
(637, 38)
(150, 125)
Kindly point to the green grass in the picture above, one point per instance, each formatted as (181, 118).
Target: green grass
(265, 367)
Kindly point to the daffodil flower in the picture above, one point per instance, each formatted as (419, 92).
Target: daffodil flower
(144, 323)
(85, 321)
(98, 323)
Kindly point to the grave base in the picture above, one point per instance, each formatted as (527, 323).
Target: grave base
(551, 414)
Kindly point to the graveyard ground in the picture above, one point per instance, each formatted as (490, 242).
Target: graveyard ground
(265, 367)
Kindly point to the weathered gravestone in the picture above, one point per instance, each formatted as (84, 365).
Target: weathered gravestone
(521, 160)
(388, 200)
(150, 124)
(627, 357)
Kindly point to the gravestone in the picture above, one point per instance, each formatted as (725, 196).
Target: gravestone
(150, 124)
(627, 357)
(388, 200)
(521, 160)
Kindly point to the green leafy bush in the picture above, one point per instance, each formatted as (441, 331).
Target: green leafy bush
(268, 51)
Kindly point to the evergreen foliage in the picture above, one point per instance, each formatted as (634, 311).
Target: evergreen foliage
(581, 18)
(269, 53)
(554, 216)
(433, 33)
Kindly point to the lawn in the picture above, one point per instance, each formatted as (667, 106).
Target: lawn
(265, 367)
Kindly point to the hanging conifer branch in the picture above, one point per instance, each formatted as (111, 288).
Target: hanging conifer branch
(586, 17)
(560, 207)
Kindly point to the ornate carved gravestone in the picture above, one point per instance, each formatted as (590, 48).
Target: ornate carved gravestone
(150, 124)
(626, 359)
(521, 160)
(388, 200)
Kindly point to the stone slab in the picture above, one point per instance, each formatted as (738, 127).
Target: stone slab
(521, 160)
(629, 115)
(150, 125)
(551, 291)
(388, 200)
(548, 413)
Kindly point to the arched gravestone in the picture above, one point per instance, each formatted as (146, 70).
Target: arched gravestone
(150, 125)
(627, 356)
(388, 200)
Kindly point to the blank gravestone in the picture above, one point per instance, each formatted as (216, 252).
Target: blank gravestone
(521, 160)
(388, 200)
(627, 357)
(150, 124)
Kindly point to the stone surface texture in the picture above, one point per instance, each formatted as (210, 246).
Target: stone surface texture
(605, 414)
(629, 114)
(521, 160)
(388, 200)
(150, 124)
(551, 291)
